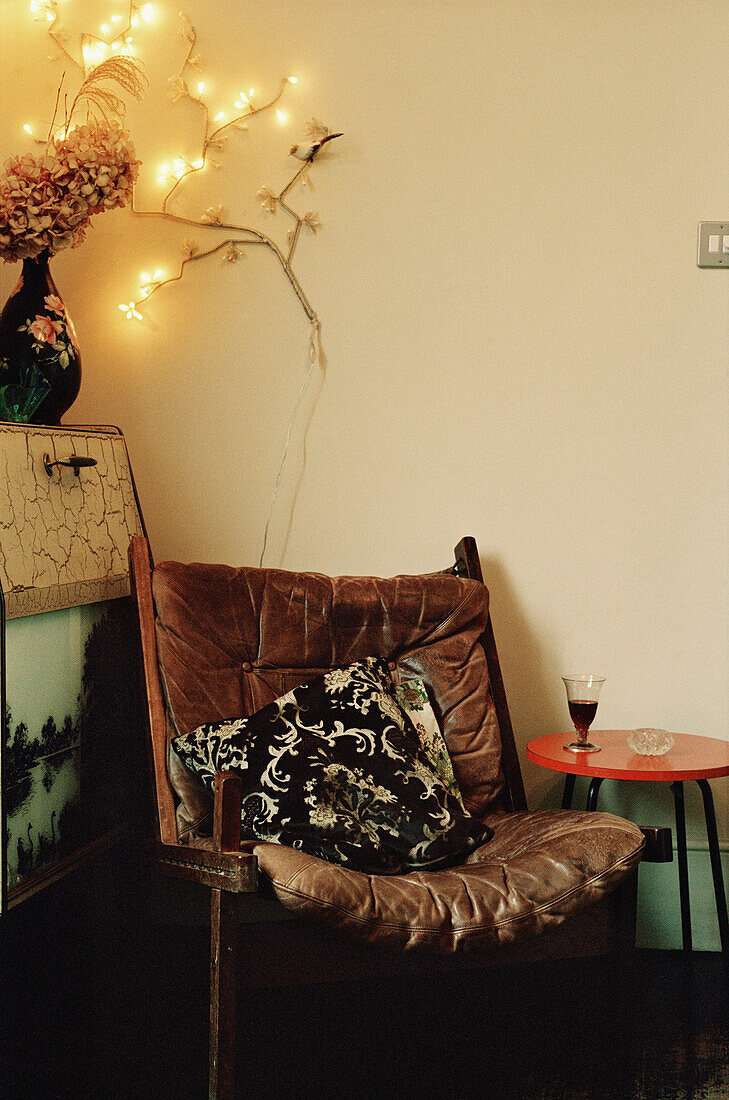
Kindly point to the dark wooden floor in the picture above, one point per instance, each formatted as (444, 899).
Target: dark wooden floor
(97, 1006)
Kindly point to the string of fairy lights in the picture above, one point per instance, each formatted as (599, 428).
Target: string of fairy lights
(117, 37)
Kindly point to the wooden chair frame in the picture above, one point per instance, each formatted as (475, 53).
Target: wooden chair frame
(304, 953)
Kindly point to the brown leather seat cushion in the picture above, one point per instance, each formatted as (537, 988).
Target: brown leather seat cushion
(539, 868)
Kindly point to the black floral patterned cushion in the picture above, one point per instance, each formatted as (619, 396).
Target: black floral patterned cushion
(335, 768)
(412, 695)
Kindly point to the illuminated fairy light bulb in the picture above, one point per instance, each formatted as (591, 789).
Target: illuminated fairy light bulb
(201, 87)
(94, 52)
(219, 117)
(28, 129)
(181, 166)
(43, 9)
(146, 12)
(104, 28)
(149, 282)
(130, 308)
(242, 101)
(198, 163)
(281, 115)
(293, 79)
(164, 173)
(116, 18)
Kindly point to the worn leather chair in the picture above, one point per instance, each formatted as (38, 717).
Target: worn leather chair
(221, 642)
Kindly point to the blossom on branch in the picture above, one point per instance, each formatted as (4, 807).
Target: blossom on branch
(311, 221)
(186, 31)
(315, 130)
(177, 89)
(269, 201)
(213, 216)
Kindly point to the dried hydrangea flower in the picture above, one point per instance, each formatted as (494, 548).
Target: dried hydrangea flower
(46, 201)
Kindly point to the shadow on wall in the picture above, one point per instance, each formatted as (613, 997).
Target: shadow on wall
(532, 687)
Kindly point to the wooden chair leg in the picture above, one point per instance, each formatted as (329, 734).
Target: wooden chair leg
(224, 944)
(223, 994)
(627, 907)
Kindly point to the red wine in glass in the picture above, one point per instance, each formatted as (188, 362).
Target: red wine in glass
(583, 692)
(582, 713)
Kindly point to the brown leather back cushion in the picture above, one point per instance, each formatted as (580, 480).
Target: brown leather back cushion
(231, 640)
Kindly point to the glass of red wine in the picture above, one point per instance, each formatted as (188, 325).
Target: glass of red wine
(583, 693)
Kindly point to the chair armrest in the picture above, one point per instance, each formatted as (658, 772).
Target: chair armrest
(226, 812)
(223, 866)
(236, 872)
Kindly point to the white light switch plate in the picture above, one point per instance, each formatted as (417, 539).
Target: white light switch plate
(713, 244)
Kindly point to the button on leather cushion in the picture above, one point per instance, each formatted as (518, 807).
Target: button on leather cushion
(539, 868)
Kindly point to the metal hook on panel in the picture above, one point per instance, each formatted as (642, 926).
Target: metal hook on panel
(74, 461)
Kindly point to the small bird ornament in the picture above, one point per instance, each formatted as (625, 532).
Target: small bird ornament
(307, 150)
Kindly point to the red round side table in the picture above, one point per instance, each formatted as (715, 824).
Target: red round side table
(690, 758)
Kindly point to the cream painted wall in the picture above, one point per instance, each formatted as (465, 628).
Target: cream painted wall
(520, 345)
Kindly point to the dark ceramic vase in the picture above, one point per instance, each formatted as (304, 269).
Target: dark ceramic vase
(40, 366)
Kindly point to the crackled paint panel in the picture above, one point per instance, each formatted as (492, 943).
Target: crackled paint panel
(63, 538)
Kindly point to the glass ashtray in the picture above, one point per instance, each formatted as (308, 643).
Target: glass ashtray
(650, 742)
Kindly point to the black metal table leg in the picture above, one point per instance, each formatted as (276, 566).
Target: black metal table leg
(569, 789)
(683, 884)
(721, 908)
(593, 792)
